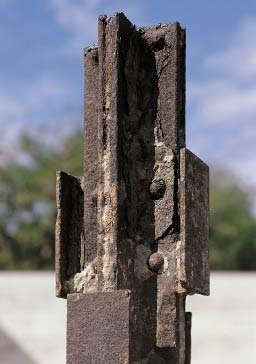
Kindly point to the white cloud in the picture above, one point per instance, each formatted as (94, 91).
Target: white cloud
(224, 101)
(35, 108)
(239, 57)
(40, 102)
(222, 107)
(81, 19)
(75, 15)
(8, 107)
(5, 3)
(30, 99)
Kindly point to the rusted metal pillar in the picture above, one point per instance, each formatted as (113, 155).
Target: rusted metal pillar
(132, 233)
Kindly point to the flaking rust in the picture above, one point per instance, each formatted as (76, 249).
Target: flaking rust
(132, 234)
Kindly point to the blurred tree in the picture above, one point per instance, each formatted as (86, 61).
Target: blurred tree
(27, 201)
(233, 225)
(27, 209)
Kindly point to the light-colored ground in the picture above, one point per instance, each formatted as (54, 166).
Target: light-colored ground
(223, 332)
(32, 316)
(224, 324)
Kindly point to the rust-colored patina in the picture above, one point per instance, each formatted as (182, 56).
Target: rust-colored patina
(132, 233)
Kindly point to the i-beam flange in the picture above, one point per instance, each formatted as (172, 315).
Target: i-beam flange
(132, 233)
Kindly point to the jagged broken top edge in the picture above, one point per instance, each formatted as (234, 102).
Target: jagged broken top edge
(159, 25)
(141, 29)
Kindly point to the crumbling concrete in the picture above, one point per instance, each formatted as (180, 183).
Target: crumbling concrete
(132, 235)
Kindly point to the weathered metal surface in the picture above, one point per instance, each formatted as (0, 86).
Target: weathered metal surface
(69, 229)
(188, 324)
(143, 200)
(194, 207)
(98, 328)
(125, 211)
(91, 105)
(168, 43)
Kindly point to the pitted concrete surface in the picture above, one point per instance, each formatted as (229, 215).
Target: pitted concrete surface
(223, 325)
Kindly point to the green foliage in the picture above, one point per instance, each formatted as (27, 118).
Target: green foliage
(233, 226)
(27, 210)
(27, 202)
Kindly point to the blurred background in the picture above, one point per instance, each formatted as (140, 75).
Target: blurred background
(41, 123)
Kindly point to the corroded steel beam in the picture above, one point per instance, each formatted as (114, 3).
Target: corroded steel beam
(132, 234)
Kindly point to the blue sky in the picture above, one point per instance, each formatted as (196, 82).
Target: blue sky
(41, 70)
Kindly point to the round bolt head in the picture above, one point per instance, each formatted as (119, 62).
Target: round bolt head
(156, 262)
(157, 188)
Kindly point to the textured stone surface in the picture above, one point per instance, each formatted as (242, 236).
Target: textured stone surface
(188, 325)
(126, 160)
(69, 229)
(136, 235)
(194, 204)
(141, 129)
(98, 328)
(91, 105)
(168, 45)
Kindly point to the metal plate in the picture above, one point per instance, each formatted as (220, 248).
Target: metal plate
(193, 271)
(98, 328)
(69, 228)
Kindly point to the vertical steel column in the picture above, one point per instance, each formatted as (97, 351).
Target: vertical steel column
(132, 234)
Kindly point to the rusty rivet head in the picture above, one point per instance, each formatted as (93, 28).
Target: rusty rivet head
(157, 188)
(156, 262)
